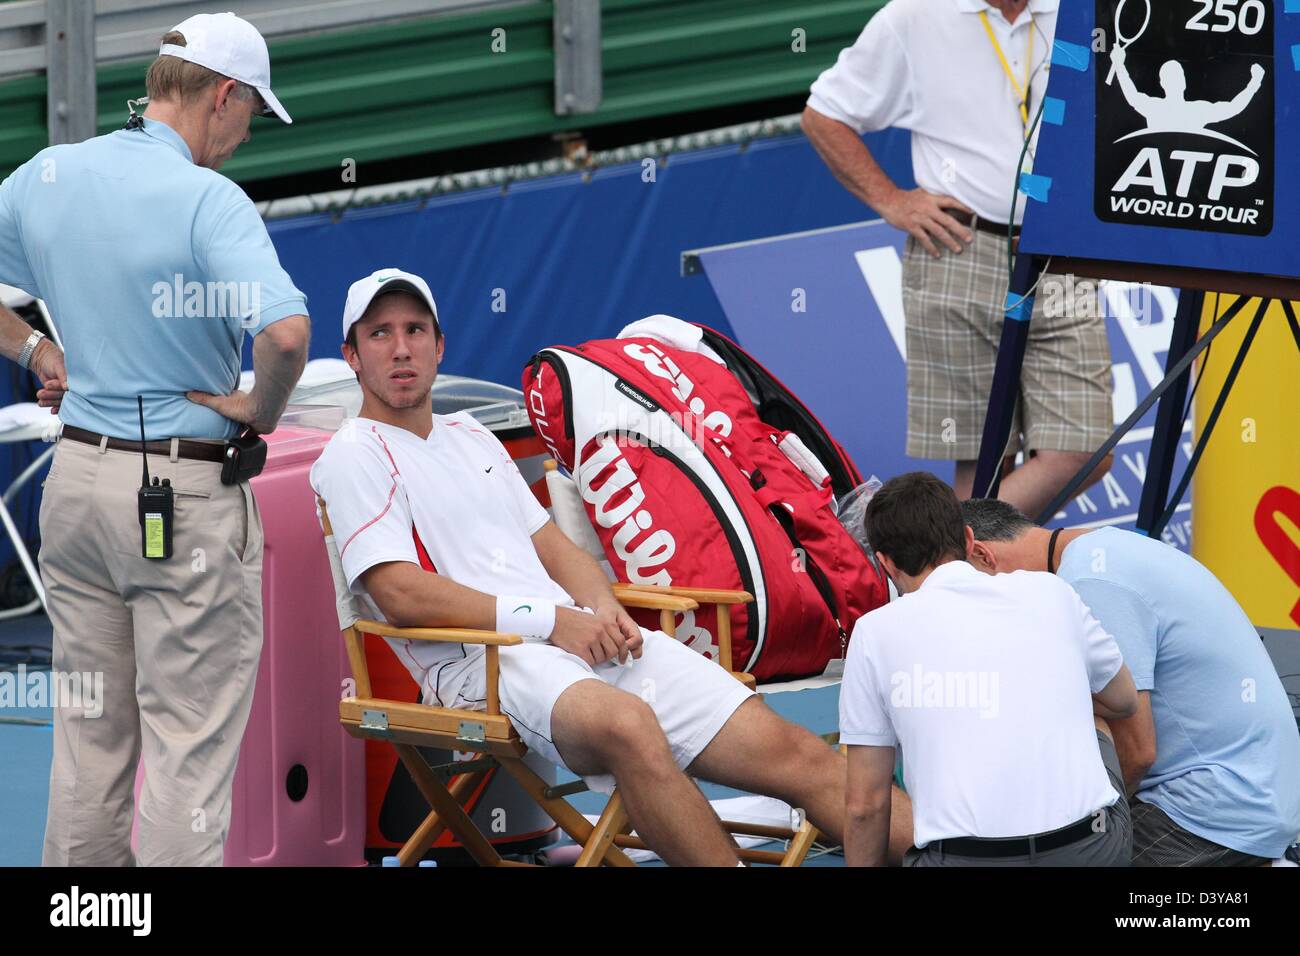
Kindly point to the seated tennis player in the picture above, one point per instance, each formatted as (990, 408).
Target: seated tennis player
(436, 528)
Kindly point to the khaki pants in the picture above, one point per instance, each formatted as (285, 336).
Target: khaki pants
(177, 642)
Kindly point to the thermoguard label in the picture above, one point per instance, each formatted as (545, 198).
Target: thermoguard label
(638, 396)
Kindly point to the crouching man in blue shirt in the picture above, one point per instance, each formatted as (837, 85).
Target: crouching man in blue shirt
(1212, 758)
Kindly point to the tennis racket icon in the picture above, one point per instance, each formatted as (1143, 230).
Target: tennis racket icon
(1124, 42)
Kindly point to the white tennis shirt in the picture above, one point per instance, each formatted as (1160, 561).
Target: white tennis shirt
(456, 495)
(928, 66)
(986, 681)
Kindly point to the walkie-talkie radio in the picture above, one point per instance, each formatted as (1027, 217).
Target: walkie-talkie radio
(157, 507)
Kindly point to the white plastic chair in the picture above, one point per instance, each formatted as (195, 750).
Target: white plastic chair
(24, 422)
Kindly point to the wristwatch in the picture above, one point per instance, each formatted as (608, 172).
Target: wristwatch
(25, 356)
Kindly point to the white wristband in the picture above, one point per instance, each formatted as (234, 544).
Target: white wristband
(527, 617)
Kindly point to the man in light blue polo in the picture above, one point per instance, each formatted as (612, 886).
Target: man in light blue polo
(154, 268)
(1213, 755)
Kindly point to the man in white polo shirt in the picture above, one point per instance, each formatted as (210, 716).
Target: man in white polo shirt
(437, 528)
(966, 77)
(990, 685)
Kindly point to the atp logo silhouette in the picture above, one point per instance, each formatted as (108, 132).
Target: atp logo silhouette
(1185, 124)
(1173, 112)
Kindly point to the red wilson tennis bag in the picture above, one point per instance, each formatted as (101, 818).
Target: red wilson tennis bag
(701, 474)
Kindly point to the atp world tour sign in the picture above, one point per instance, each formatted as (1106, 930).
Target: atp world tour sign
(1196, 160)
(1176, 121)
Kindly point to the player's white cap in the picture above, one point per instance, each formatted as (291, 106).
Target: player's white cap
(230, 46)
(364, 291)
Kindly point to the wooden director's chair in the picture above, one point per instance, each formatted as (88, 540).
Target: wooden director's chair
(407, 726)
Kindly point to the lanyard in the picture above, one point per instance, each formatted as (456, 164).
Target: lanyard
(1051, 548)
(1021, 91)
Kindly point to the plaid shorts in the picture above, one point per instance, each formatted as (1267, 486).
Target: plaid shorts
(954, 308)
(1159, 841)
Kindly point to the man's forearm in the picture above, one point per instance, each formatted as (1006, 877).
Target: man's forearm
(1105, 713)
(866, 838)
(409, 596)
(582, 578)
(844, 153)
(1134, 759)
(14, 333)
(278, 361)
(1130, 766)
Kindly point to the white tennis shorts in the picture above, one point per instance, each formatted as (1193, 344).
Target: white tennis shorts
(691, 696)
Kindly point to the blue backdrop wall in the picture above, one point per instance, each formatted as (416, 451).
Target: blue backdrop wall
(550, 261)
(573, 257)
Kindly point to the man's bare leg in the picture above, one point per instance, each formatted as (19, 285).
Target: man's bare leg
(963, 481)
(600, 729)
(1035, 483)
(1031, 486)
(761, 752)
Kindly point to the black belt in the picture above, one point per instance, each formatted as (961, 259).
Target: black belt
(186, 447)
(986, 225)
(1019, 846)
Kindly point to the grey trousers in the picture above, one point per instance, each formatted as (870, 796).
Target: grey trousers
(1111, 846)
(176, 644)
(1159, 841)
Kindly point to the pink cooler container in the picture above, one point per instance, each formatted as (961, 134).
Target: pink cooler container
(300, 785)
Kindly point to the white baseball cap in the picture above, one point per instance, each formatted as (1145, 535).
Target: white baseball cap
(364, 291)
(230, 46)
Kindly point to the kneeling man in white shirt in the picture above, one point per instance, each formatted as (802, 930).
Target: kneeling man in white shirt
(995, 688)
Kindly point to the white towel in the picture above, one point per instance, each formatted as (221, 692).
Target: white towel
(27, 421)
(14, 298)
(767, 811)
(672, 332)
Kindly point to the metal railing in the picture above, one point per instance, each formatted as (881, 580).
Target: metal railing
(338, 201)
(68, 39)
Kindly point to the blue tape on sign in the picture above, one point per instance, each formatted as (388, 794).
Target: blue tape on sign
(1019, 307)
(1295, 56)
(1072, 55)
(1054, 108)
(1035, 187)
(1291, 6)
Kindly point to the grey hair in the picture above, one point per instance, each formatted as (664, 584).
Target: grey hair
(246, 93)
(993, 520)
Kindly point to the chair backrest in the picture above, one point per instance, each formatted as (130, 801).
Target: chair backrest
(571, 514)
(345, 602)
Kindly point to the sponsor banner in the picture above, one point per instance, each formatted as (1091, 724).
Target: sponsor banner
(823, 311)
(1171, 136)
(1248, 484)
(1184, 115)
